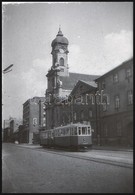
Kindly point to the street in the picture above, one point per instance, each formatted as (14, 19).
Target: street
(26, 170)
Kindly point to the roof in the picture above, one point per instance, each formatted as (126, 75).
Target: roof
(69, 82)
(34, 98)
(91, 83)
(60, 39)
(125, 63)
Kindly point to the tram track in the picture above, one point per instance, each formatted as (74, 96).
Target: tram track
(78, 156)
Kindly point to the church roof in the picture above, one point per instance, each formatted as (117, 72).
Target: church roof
(91, 83)
(69, 82)
(60, 39)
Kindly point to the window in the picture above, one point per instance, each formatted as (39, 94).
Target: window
(104, 103)
(61, 62)
(56, 132)
(84, 130)
(103, 84)
(78, 99)
(130, 97)
(105, 130)
(34, 121)
(59, 132)
(79, 130)
(115, 78)
(90, 113)
(117, 102)
(88, 130)
(75, 131)
(67, 131)
(71, 131)
(119, 129)
(128, 72)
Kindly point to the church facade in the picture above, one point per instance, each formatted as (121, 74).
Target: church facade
(60, 84)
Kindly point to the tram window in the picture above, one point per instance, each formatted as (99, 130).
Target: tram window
(75, 131)
(63, 131)
(58, 132)
(79, 130)
(70, 131)
(89, 130)
(45, 135)
(84, 131)
(67, 131)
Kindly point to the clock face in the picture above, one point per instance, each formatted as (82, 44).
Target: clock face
(61, 50)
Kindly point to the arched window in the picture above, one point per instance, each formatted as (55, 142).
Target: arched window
(61, 62)
(117, 102)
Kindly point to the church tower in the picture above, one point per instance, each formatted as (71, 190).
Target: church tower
(59, 66)
(60, 54)
(55, 76)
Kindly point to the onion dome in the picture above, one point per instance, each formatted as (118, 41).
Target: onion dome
(60, 39)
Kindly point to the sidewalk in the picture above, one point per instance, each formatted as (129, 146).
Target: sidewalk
(29, 145)
(113, 148)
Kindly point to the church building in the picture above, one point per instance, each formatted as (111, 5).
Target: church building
(60, 84)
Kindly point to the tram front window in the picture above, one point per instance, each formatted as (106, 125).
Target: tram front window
(89, 130)
(79, 130)
(84, 130)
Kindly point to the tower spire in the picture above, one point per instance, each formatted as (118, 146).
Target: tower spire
(59, 27)
(59, 32)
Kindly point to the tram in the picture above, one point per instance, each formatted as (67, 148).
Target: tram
(72, 136)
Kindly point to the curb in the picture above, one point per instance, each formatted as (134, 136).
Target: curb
(113, 149)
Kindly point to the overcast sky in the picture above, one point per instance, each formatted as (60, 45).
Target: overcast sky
(100, 37)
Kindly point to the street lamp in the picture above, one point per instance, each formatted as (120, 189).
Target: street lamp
(6, 70)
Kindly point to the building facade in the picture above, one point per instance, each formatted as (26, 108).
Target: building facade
(33, 118)
(14, 128)
(60, 84)
(115, 114)
(6, 130)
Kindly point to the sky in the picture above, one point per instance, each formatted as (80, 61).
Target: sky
(100, 38)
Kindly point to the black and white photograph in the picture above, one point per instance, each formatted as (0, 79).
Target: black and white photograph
(67, 97)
